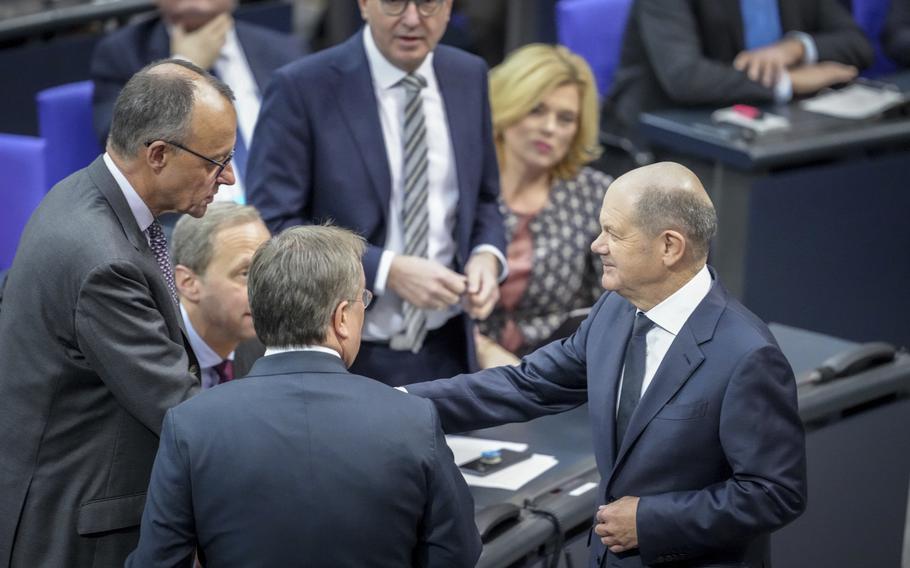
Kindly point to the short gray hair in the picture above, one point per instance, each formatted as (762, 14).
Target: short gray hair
(298, 278)
(193, 240)
(158, 106)
(659, 209)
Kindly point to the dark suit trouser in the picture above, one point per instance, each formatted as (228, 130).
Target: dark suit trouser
(444, 354)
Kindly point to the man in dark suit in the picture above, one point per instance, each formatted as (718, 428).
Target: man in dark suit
(304, 463)
(389, 134)
(692, 404)
(212, 257)
(722, 52)
(243, 55)
(92, 350)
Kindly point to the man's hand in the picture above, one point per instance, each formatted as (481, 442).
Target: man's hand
(765, 64)
(202, 46)
(809, 79)
(483, 286)
(616, 524)
(425, 283)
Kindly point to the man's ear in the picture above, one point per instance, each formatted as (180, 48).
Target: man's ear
(156, 155)
(188, 284)
(674, 247)
(341, 323)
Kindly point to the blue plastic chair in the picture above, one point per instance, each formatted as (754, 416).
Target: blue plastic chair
(22, 186)
(594, 30)
(871, 15)
(65, 121)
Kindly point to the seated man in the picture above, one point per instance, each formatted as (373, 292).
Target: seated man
(303, 463)
(243, 55)
(705, 52)
(212, 257)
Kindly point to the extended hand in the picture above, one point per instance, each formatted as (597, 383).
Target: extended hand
(616, 524)
(203, 45)
(483, 286)
(809, 79)
(425, 283)
(765, 64)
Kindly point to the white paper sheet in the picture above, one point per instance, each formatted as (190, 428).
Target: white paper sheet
(856, 101)
(511, 478)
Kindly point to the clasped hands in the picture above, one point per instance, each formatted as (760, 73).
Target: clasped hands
(765, 65)
(430, 285)
(616, 524)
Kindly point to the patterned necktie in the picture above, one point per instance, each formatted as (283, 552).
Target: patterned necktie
(225, 371)
(633, 375)
(414, 218)
(158, 242)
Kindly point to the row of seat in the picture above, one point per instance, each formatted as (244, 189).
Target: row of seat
(32, 165)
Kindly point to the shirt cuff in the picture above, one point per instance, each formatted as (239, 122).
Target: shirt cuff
(402, 389)
(382, 272)
(810, 51)
(783, 89)
(503, 266)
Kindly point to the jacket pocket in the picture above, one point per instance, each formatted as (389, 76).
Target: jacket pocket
(686, 411)
(110, 514)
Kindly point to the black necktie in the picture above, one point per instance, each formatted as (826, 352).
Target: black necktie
(633, 375)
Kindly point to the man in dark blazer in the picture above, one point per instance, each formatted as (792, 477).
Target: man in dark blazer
(243, 55)
(92, 347)
(212, 257)
(304, 463)
(692, 404)
(330, 144)
(697, 52)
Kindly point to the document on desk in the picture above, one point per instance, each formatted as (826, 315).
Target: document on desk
(513, 477)
(857, 101)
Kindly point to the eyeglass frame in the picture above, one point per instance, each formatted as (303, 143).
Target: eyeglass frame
(221, 165)
(366, 298)
(435, 4)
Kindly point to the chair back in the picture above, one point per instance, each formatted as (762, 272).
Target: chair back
(871, 15)
(65, 121)
(594, 30)
(22, 186)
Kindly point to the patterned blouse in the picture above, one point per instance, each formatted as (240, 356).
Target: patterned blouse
(552, 270)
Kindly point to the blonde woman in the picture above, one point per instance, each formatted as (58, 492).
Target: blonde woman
(545, 123)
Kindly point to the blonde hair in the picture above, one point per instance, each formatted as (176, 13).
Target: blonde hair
(528, 74)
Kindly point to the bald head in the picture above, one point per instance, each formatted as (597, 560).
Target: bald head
(668, 196)
(157, 104)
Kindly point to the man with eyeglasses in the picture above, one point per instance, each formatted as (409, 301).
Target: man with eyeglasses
(92, 346)
(389, 134)
(305, 463)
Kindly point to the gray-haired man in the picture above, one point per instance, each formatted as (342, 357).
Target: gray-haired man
(91, 347)
(278, 469)
(212, 257)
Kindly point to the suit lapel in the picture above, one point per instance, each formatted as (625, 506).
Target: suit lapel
(159, 42)
(252, 50)
(734, 17)
(455, 92)
(355, 91)
(608, 373)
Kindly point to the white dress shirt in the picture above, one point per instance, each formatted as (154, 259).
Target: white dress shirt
(317, 348)
(140, 210)
(385, 319)
(669, 317)
(205, 355)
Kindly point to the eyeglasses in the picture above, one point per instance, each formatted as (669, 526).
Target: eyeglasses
(425, 8)
(366, 298)
(221, 165)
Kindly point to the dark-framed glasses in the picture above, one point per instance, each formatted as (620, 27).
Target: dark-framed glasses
(221, 165)
(425, 8)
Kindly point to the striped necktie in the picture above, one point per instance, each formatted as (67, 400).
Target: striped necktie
(414, 218)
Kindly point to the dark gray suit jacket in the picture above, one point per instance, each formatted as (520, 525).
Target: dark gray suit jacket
(680, 52)
(715, 448)
(305, 464)
(92, 354)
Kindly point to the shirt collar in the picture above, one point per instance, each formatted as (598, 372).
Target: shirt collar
(672, 313)
(230, 51)
(386, 75)
(205, 355)
(318, 348)
(140, 210)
